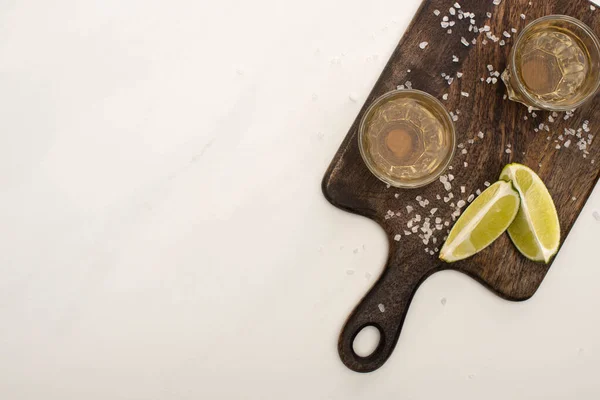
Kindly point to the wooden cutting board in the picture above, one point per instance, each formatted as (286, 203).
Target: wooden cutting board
(511, 133)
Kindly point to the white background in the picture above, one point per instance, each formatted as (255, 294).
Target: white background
(163, 234)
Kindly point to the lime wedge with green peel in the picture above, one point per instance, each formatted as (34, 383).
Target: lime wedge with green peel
(482, 222)
(536, 230)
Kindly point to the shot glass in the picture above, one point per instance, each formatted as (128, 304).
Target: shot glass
(407, 138)
(554, 64)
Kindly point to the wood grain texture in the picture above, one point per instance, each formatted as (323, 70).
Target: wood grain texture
(569, 176)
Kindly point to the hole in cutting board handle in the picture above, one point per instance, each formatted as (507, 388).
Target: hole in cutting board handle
(367, 341)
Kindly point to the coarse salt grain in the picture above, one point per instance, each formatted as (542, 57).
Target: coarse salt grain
(422, 45)
(397, 238)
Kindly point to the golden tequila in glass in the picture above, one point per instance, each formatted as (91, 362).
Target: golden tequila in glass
(407, 138)
(554, 64)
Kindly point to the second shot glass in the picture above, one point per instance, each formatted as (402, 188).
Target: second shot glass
(554, 64)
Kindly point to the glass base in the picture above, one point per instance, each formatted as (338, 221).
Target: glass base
(512, 93)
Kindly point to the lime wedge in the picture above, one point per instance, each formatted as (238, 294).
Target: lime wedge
(536, 230)
(482, 222)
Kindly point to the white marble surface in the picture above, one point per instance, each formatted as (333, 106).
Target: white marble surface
(163, 233)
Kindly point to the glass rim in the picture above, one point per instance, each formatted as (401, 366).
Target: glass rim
(367, 159)
(513, 55)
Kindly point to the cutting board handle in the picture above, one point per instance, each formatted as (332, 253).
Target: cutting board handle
(385, 306)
